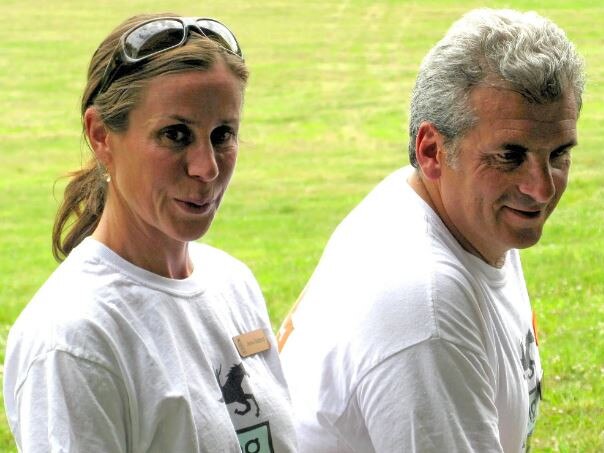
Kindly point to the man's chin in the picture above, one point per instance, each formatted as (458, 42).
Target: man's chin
(526, 238)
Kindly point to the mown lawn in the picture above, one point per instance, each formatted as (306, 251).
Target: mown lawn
(325, 120)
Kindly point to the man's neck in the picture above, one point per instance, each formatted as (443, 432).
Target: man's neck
(431, 196)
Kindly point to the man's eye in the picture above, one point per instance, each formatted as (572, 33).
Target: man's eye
(511, 157)
(560, 153)
(560, 158)
(223, 135)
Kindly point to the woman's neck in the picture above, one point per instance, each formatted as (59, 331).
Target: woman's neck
(146, 248)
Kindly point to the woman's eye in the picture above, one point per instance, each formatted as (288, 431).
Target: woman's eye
(223, 136)
(179, 135)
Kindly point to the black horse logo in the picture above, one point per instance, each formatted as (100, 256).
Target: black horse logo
(528, 363)
(232, 390)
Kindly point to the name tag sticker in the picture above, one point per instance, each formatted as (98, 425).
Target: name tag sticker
(251, 343)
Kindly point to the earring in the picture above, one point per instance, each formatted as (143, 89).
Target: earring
(107, 177)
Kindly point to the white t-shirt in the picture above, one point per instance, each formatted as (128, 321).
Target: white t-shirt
(109, 357)
(404, 342)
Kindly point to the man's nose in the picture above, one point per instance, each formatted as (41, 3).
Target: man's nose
(537, 182)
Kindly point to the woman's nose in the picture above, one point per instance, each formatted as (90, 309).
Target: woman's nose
(201, 162)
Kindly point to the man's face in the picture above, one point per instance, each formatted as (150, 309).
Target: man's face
(511, 170)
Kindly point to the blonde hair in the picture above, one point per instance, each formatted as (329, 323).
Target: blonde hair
(85, 194)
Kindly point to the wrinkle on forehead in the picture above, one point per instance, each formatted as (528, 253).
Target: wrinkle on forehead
(541, 125)
(493, 98)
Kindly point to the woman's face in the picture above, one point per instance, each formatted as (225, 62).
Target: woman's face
(171, 167)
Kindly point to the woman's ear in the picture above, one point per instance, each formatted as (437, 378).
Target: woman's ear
(98, 136)
(429, 150)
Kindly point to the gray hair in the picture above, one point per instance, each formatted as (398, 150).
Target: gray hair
(521, 51)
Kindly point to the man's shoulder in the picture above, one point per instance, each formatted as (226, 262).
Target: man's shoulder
(431, 299)
(394, 280)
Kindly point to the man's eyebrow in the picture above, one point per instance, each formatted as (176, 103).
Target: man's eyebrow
(568, 145)
(515, 148)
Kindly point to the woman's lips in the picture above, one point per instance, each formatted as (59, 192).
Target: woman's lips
(199, 207)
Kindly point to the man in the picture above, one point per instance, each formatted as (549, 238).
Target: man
(415, 332)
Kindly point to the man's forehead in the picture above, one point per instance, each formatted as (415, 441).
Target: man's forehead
(506, 109)
(501, 101)
(533, 135)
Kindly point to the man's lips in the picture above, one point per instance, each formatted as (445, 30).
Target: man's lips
(526, 213)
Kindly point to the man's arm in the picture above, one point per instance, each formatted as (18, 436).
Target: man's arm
(431, 397)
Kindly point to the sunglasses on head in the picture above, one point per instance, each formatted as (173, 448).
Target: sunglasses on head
(160, 35)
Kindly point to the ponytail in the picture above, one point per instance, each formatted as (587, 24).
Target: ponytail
(83, 201)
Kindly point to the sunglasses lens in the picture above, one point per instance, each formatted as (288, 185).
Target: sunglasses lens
(152, 37)
(217, 31)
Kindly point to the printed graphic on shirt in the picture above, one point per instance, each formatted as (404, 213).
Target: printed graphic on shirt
(527, 359)
(528, 349)
(232, 389)
(256, 439)
(534, 398)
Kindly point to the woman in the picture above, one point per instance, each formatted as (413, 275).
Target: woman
(141, 340)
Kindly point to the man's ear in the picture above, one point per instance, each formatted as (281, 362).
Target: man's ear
(98, 136)
(429, 150)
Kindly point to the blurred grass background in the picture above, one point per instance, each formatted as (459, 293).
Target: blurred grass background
(325, 120)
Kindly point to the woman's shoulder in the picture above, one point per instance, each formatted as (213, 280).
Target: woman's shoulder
(59, 319)
(69, 308)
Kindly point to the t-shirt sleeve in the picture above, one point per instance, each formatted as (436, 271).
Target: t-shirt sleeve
(69, 404)
(433, 396)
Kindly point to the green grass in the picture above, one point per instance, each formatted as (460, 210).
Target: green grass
(325, 120)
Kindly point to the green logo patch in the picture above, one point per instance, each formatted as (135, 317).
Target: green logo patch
(256, 439)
